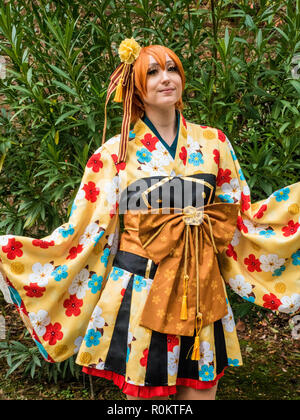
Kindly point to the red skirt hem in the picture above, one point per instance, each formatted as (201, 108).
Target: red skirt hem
(150, 391)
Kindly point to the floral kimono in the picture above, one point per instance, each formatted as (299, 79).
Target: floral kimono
(132, 306)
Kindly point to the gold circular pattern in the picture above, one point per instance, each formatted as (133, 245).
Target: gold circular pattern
(85, 358)
(294, 208)
(17, 267)
(209, 134)
(280, 287)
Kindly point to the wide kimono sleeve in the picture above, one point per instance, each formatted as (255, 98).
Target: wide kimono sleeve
(262, 262)
(55, 282)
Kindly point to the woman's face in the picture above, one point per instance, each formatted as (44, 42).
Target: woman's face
(164, 86)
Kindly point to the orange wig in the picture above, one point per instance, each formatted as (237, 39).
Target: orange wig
(140, 68)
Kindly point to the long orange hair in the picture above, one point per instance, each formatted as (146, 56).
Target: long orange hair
(140, 68)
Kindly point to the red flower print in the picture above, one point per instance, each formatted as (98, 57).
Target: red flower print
(33, 290)
(183, 122)
(120, 166)
(143, 360)
(290, 229)
(42, 244)
(53, 333)
(216, 156)
(245, 202)
(12, 249)
(183, 155)
(149, 142)
(94, 162)
(123, 292)
(172, 341)
(73, 305)
(261, 211)
(114, 210)
(91, 192)
(221, 136)
(223, 176)
(74, 251)
(271, 301)
(230, 252)
(240, 225)
(252, 263)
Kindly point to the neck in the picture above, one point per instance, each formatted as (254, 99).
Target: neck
(164, 121)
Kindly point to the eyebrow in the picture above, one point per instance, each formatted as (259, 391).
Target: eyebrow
(157, 64)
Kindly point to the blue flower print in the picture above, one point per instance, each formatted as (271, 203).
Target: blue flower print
(267, 233)
(226, 198)
(242, 178)
(95, 283)
(278, 271)
(127, 355)
(74, 207)
(131, 134)
(250, 299)
(206, 373)
(98, 237)
(138, 283)
(116, 273)
(195, 159)
(296, 258)
(282, 194)
(60, 273)
(104, 258)
(143, 155)
(233, 362)
(66, 232)
(92, 338)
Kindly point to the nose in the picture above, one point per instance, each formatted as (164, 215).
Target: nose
(165, 76)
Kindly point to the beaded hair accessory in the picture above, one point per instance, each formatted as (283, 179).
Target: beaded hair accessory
(122, 81)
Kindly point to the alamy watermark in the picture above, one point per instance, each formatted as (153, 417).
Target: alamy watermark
(296, 67)
(2, 327)
(2, 67)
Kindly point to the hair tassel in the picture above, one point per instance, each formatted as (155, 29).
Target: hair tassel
(119, 91)
(183, 313)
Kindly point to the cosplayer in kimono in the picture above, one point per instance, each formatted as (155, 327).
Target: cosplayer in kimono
(148, 308)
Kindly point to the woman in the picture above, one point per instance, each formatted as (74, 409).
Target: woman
(150, 311)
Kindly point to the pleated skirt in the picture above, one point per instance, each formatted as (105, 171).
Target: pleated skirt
(142, 362)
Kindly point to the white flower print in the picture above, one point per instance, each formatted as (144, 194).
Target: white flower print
(55, 235)
(100, 366)
(78, 343)
(80, 284)
(129, 337)
(240, 286)
(89, 234)
(41, 274)
(153, 168)
(270, 262)
(290, 304)
(246, 190)
(253, 227)
(80, 194)
(4, 239)
(5, 290)
(192, 146)
(112, 140)
(232, 188)
(206, 354)
(173, 359)
(161, 155)
(112, 189)
(228, 321)
(97, 321)
(39, 321)
(236, 237)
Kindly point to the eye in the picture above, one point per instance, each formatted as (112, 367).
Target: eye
(172, 68)
(152, 71)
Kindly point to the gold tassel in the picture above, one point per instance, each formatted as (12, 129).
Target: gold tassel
(196, 349)
(119, 91)
(183, 313)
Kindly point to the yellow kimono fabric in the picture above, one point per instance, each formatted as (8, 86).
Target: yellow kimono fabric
(68, 292)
